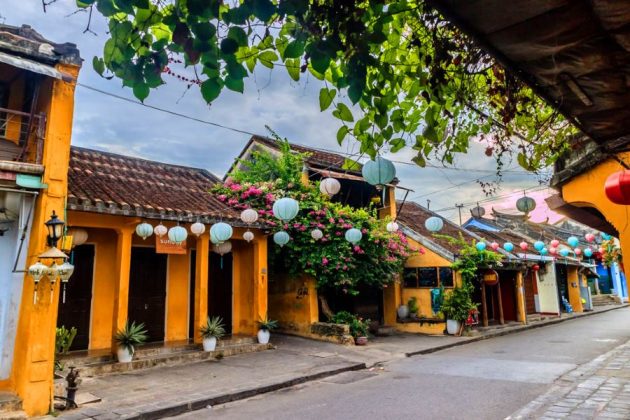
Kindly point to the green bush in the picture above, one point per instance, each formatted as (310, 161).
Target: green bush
(358, 326)
(458, 303)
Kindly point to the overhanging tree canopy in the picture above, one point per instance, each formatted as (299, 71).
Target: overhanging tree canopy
(415, 79)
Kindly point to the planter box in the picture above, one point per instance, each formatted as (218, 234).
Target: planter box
(336, 333)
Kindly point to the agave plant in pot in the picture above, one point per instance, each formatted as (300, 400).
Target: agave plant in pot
(127, 338)
(211, 332)
(265, 326)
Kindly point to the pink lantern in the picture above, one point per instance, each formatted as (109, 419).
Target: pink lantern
(555, 243)
(601, 250)
(553, 250)
(589, 237)
(577, 251)
(494, 246)
(524, 246)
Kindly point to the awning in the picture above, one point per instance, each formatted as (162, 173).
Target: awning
(585, 215)
(34, 66)
(350, 177)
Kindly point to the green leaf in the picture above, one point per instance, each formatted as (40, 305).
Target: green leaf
(264, 9)
(229, 46)
(234, 84)
(397, 144)
(99, 65)
(267, 58)
(84, 3)
(294, 49)
(355, 91)
(341, 133)
(106, 7)
(124, 5)
(293, 68)
(343, 112)
(211, 88)
(204, 30)
(237, 34)
(141, 91)
(419, 160)
(326, 97)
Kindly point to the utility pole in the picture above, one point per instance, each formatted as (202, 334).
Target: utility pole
(459, 209)
(428, 204)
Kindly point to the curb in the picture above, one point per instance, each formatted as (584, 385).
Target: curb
(513, 330)
(240, 395)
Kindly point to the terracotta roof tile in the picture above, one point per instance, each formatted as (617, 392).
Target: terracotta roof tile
(110, 183)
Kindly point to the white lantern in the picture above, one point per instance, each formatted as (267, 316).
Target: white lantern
(37, 271)
(434, 224)
(249, 216)
(144, 230)
(329, 186)
(160, 230)
(317, 234)
(177, 234)
(79, 236)
(65, 270)
(248, 236)
(222, 248)
(197, 229)
(392, 227)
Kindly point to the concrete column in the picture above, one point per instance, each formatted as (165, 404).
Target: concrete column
(575, 298)
(201, 283)
(121, 280)
(260, 278)
(391, 300)
(521, 314)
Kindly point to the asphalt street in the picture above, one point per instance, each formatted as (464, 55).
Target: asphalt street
(489, 379)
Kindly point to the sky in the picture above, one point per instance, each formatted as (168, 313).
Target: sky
(271, 99)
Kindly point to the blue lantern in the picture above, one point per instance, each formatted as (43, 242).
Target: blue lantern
(281, 238)
(480, 246)
(588, 252)
(525, 204)
(220, 232)
(144, 230)
(606, 236)
(379, 171)
(353, 236)
(539, 245)
(286, 209)
(177, 234)
(573, 242)
(508, 246)
(434, 224)
(564, 252)
(544, 251)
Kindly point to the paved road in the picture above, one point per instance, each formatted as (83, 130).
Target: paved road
(485, 380)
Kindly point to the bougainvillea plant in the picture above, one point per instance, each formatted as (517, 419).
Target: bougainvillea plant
(334, 262)
(611, 254)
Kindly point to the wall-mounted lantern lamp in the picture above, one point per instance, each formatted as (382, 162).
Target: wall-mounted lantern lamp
(55, 229)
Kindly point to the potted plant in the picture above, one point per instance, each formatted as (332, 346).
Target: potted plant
(359, 330)
(456, 307)
(265, 326)
(128, 338)
(211, 332)
(412, 304)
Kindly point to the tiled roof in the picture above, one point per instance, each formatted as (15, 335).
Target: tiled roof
(26, 42)
(115, 184)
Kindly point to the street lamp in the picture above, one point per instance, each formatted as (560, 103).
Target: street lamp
(55, 229)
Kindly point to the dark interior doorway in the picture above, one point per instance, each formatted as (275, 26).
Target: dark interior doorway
(76, 310)
(367, 304)
(147, 291)
(563, 286)
(220, 288)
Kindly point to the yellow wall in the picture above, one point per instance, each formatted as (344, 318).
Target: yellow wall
(294, 311)
(177, 284)
(587, 190)
(104, 241)
(573, 282)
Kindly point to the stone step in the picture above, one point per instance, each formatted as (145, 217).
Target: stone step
(386, 331)
(13, 415)
(603, 300)
(9, 403)
(186, 355)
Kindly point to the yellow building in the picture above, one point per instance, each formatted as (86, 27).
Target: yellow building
(37, 81)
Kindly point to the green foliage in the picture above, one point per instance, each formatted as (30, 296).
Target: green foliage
(332, 261)
(63, 342)
(458, 302)
(470, 259)
(413, 77)
(358, 326)
(412, 304)
(267, 324)
(213, 327)
(612, 253)
(130, 336)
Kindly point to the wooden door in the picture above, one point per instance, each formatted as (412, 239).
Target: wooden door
(191, 295)
(530, 291)
(76, 310)
(220, 288)
(147, 291)
(508, 297)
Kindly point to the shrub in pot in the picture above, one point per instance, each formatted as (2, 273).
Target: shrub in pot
(358, 326)
(211, 331)
(264, 329)
(456, 307)
(127, 338)
(412, 304)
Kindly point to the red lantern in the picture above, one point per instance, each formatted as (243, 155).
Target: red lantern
(589, 237)
(494, 246)
(555, 243)
(524, 246)
(577, 251)
(535, 267)
(553, 250)
(618, 187)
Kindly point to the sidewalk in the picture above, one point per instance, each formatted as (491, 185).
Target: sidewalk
(163, 391)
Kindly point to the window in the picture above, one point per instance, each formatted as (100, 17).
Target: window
(428, 277)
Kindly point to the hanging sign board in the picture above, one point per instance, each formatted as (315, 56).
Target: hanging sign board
(164, 245)
(490, 277)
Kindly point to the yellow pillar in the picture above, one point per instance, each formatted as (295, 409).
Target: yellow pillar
(34, 350)
(391, 300)
(521, 315)
(575, 299)
(121, 280)
(177, 297)
(260, 278)
(201, 283)
(389, 206)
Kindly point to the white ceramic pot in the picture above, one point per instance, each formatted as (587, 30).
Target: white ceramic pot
(403, 311)
(263, 336)
(452, 326)
(209, 344)
(124, 355)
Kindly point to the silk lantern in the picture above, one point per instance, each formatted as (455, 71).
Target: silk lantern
(80, 236)
(564, 252)
(589, 237)
(197, 229)
(379, 171)
(494, 246)
(177, 234)
(317, 234)
(65, 271)
(588, 252)
(248, 236)
(543, 251)
(478, 211)
(220, 232)
(508, 246)
(524, 246)
(480, 246)
(249, 216)
(606, 236)
(392, 227)
(281, 238)
(538, 245)
(222, 249)
(525, 204)
(573, 242)
(434, 224)
(553, 250)
(160, 230)
(617, 187)
(353, 236)
(329, 186)
(286, 209)
(555, 243)
(143, 230)
(577, 251)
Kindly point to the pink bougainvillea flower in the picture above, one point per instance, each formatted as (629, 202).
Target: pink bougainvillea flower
(222, 197)
(324, 261)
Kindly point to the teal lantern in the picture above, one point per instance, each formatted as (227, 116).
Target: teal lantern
(220, 232)
(144, 230)
(573, 242)
(434, 224)
(539, 245)
(353, 236)
(480, 246)
(379, 171)
(286, 209)
(281, 238)
(508, 246)
(543, 251)
(606, 236)
(525, 204)
(564, 252)
(177, 234)
(588, 252)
